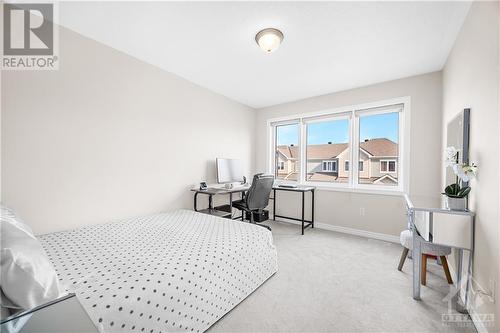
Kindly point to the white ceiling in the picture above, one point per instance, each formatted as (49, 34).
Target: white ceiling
(328, 46)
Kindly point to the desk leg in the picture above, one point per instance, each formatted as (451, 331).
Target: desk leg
(303, 199)
(312, 209)
(231, 204)
(458, 295)
(468, 285)
(210, 202)
(417, 266)
(274, 205)
(196, 202)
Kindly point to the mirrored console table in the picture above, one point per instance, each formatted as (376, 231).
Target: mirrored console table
(430, 222)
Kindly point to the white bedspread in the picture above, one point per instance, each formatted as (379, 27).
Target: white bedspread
(173, 272)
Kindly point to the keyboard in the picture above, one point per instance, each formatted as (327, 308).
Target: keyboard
(287, 186)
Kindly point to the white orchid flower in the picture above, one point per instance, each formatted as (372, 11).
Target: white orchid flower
(451, 156)
(451, 151)
(463, 175)
(465, 172)
(470, 170)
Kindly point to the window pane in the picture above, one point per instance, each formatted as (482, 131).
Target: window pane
(392, 166)
(327, 151)
(287, 160)
(379, 149)
(383, 166)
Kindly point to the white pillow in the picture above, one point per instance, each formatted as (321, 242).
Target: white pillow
(27, 277)
(8, 215)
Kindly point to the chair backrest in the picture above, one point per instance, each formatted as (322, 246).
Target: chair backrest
(258, 194)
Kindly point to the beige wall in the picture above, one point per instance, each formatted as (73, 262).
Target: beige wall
(108, 136)
(471, 79)
(382, 214)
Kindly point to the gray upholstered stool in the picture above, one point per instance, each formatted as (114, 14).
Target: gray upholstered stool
(428, 250)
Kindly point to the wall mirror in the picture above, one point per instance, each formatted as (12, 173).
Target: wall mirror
(457, 135)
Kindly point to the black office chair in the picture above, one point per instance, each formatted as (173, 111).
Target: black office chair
(257, 197)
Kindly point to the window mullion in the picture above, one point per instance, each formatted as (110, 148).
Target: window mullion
(303, 148)
(354, 150)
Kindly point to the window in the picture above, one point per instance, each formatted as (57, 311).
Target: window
(329, 166)
(327, 147)
(287, 152)
(387, 166)
(353, 148)
(379, 137)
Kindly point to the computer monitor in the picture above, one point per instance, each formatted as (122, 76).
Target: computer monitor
(229, 170)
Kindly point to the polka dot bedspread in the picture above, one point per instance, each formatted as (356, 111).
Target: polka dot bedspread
(172, 272)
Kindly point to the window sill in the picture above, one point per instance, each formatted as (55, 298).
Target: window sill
(397, 192)
(389, 192)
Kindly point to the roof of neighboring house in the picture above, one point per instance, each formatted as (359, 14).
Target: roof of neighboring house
(380, 147)
(289, 151)
(325, 151)
(375, 147)
(386, 179)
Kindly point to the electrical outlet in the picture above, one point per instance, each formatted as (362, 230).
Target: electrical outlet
(362, 211)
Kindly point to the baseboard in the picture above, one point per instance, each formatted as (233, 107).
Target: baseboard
(350, 231)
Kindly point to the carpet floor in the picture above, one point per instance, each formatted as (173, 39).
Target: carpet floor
(334, 282)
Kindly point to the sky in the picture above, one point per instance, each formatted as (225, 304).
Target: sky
(337, 131)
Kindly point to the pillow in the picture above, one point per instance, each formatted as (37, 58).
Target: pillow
(9, 216)
(27, 278)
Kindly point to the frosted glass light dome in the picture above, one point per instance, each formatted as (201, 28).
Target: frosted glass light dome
(269, 39)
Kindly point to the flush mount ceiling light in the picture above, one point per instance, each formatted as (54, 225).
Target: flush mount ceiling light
(269, 39)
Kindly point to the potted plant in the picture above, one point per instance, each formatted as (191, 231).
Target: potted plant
(456, 194)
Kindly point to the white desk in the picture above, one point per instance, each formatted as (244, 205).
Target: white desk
(302, 190)
(431, 223)
(221, 211)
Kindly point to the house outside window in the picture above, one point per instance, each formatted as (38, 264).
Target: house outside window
(319, 150)
(352, 147)
(286, 151)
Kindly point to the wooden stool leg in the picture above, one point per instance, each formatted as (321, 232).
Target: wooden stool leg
(446, 269)
(403, 258)
(423, 276)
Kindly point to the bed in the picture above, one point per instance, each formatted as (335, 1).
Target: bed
(179, 271)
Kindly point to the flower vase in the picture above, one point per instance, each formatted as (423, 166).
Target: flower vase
(456, 203)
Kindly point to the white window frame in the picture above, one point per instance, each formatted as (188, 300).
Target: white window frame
(353, 112)
(387, 161)
(271, 153)
(332, 162)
